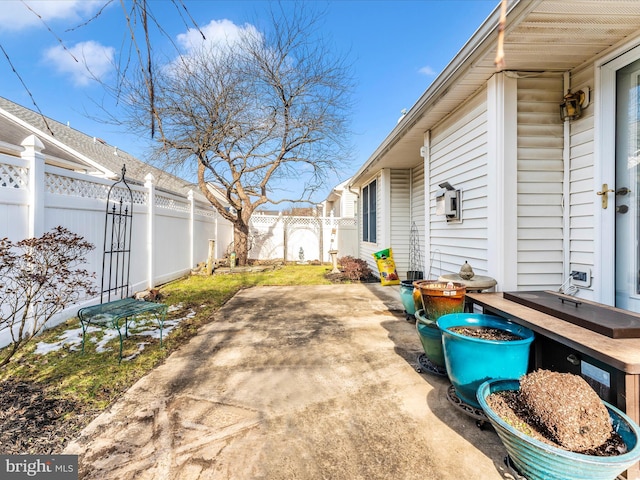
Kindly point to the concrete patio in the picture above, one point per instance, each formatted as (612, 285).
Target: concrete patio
(314, 382)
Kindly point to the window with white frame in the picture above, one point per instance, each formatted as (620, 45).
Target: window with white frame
(369, 199)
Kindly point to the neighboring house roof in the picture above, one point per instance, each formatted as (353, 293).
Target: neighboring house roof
(336, 193)
(219, 193)
(540, 35)
(69, 148)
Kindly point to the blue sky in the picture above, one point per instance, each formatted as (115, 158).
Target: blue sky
(397, 48)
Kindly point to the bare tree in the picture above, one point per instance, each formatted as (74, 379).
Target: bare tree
(268, 111)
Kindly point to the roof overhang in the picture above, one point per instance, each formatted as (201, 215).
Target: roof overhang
(540, 36)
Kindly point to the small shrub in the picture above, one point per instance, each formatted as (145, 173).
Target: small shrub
(40, 277)
(354, 268)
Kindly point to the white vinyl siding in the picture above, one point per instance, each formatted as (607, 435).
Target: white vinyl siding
(418, 214)
(348, 204)
(582, 198)
(540, 184)
(458, 155)
(400, 219)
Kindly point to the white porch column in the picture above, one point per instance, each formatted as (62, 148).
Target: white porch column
(33, 154)
(151, 213)
(502, 182)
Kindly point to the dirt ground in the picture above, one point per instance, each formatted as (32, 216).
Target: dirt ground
(292, 383)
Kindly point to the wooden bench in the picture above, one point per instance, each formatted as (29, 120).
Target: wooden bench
(118, 314)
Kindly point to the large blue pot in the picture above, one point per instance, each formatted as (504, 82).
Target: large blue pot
(471, 361)
(537, 460)
(430, 337)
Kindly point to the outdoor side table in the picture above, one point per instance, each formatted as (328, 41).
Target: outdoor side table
(117, 314)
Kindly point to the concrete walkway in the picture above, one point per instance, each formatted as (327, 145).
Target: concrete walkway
(301, 383)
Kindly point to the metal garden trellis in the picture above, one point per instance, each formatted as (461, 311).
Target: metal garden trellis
(416, 264)
(116, 262)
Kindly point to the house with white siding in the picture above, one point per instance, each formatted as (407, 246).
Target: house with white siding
(341, 202)
(538, 196)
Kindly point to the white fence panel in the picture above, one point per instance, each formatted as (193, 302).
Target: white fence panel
(272, 235)
(170, 233)
(172, 228)
(14, 198)
(304, 238)
(267, 237)
(169, 237)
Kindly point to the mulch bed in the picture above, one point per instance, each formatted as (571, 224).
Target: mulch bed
(34, 422)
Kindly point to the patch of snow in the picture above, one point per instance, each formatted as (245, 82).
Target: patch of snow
(135, 354)
(72, 338)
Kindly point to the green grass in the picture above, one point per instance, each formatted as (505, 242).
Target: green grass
(94, 379)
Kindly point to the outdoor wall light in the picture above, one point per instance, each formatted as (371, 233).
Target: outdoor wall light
(573, 104)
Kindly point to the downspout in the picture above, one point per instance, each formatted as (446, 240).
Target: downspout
(425, 153)
(566, 188)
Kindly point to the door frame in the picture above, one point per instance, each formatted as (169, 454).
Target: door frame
(605, 167)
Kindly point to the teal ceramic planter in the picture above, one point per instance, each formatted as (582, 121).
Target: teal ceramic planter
(537, 460)
(406, 296)
(471, 361)
(431, 338)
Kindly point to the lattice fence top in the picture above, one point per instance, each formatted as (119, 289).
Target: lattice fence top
(264, 219)
(303, 221)
(12, 176)
(209, 213)
(74, 187)
(171, 204)
(346, 221)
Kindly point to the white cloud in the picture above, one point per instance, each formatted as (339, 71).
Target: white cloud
(94, 61)
(216, 32)
(428, 71)
(18, 15)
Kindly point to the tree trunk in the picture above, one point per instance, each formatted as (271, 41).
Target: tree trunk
(241, 241)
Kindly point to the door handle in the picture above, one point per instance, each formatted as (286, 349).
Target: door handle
(605, 195)
(622, 191)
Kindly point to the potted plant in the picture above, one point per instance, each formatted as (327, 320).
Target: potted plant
(499, 350)
(431, 340)
(440, 298)
(410, 297)
(537, 460)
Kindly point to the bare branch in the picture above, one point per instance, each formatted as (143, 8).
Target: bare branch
(33, 100)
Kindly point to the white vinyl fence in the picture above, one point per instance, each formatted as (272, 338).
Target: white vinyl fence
(170, 233)
(302, 238)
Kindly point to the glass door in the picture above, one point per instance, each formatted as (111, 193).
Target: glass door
(624, 196)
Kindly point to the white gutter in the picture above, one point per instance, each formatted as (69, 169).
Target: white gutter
(39, 133)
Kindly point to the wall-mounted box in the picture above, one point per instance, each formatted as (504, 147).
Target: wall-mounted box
(448, 204)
